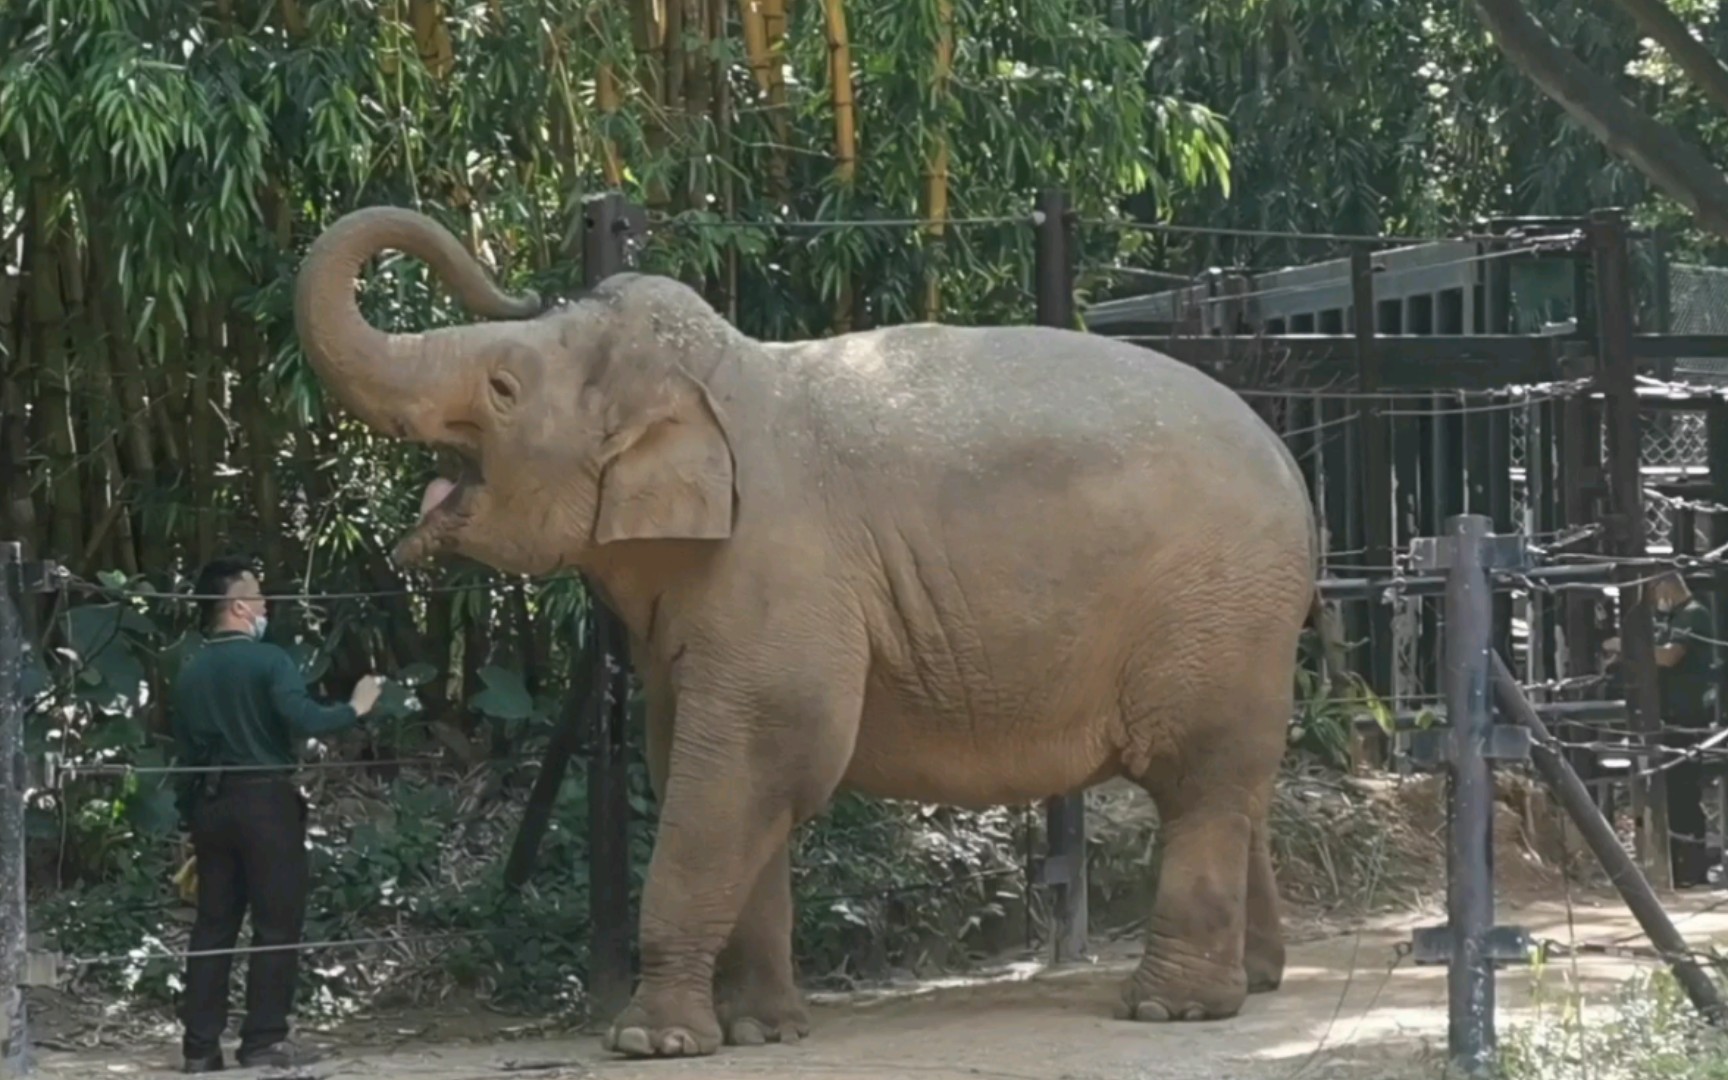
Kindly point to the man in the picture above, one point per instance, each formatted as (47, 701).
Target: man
(1686, 684)
(240, 706)
(1684, 632)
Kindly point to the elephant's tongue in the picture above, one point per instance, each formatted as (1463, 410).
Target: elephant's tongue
(436, 492)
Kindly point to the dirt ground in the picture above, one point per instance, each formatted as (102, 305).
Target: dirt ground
(1347, 1010)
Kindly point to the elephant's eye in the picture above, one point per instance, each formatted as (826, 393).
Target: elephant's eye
(503, 387)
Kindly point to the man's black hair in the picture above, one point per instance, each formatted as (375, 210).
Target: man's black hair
(214, 580)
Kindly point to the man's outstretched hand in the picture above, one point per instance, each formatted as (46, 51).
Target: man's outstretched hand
(366, 693)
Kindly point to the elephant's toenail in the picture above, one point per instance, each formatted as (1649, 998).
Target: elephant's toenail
(1151, 1011)
(748, 1033)
(1194, 1012)
(634, 1041)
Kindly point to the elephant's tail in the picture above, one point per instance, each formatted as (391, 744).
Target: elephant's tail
(1331, 656)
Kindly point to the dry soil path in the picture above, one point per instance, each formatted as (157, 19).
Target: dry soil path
(1345, 1011)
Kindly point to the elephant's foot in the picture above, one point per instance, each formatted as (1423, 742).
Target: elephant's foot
(665, 1025)
(1177, 985)
(752, 1015)
(1264, 964)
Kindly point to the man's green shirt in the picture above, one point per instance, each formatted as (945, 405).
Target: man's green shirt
(241, 702)
(1686, 687)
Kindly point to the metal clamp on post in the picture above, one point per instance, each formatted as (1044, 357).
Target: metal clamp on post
(1502, 945)
(43, 969)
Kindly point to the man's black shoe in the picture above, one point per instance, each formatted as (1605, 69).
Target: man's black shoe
(283, 1055)
(207, 1064)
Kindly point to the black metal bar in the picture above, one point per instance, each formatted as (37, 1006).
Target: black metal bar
(1579, 441)
(1376, 472)
(1716, 444)
(1656, 347)
(1618, 378)
(1499, 491)
(1065, 817)
(606, 225)
(1605, 844)
(587, 696)
(1334, 465)
(1469, 795)
(14, 650)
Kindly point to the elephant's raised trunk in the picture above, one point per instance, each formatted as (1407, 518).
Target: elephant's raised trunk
(391, 381)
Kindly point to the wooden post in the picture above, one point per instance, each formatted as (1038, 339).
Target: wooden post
(1617, 375)
(1064, 871)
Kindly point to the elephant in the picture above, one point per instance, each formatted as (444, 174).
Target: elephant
(961, 565)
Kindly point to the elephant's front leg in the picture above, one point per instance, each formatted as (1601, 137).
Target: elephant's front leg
(742, 768)
(756, 986)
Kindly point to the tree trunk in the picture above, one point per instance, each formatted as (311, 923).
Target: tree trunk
(1668, 161)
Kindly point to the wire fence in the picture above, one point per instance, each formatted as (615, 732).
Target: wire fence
(1399, 582)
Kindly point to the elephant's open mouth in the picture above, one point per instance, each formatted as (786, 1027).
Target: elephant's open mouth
(445, 506)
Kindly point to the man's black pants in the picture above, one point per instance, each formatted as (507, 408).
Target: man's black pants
(1688, 856)
(250, 841)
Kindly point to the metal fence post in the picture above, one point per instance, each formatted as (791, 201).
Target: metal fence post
(608, 222)
(14, 1034)
(1064, 869)
(1470, 944)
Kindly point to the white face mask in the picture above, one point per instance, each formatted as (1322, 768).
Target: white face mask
(260, 623)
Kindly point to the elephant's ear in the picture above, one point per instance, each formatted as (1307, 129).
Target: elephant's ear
(667, 475)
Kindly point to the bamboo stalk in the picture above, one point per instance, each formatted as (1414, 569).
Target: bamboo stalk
(202, 440)
(432, 37)
(936, 173)
(648, 33)
(18, 514)
(46, 336)
(606, 93)
(845, 133)
(293, 19)
(774, 37)
(840, 91)
(722, 121)
(756, 54)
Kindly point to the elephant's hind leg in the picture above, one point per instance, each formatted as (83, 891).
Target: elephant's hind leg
(755, 983)
(1193, 967)
(1213, 931)
(1263, 952)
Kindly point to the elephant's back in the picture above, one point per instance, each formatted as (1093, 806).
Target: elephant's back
(1038, 399)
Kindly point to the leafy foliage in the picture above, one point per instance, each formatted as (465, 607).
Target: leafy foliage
(1648, 1030)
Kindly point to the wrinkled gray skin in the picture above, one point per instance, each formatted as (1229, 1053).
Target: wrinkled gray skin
(961, 565)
